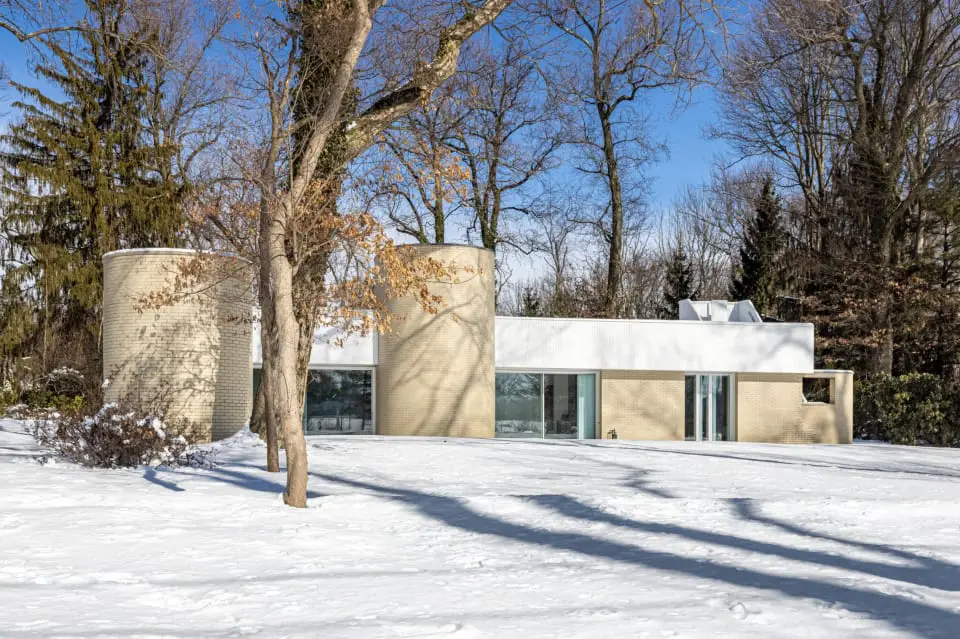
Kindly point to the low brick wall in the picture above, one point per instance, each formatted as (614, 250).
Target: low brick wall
(771, 408)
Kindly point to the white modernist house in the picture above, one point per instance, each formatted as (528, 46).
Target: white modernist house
(718, 373)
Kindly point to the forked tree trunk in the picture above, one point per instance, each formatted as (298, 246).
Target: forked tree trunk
(276, 279)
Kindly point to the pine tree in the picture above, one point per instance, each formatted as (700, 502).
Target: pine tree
(79, 178)
(530, 303)
(758, 276)
(678, 285)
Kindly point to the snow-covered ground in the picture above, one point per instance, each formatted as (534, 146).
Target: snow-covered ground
(467, 538)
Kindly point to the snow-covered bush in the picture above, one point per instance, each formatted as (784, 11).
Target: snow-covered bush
(116, 437)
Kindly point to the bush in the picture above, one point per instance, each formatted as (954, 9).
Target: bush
(62, 390)
(911, 409)
(115, 437)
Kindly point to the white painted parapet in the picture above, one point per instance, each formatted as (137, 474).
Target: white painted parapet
(585, 344)
(356, 350)
(653, 345)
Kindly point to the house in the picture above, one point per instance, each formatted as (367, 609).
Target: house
(717, 373)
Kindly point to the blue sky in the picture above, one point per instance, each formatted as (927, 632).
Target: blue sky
(690, 154)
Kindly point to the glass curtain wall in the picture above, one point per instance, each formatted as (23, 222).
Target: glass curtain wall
(339, 402)
(519, 405)
(546, 405)
(336, 402)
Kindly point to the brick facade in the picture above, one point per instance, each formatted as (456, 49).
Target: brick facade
(641, 405)
(193, 355)
(436, 372)
(771, 408)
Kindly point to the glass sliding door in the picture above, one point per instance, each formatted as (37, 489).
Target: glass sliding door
(546, 405)
(708, 408)
(560, 406)
(706, 423)
(690, 408)
(722, 427)
(519, 405)
(587, 406)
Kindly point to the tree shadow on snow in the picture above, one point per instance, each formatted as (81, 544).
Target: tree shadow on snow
(799, 461)
(240, 479)
(747, 510)
(915, 616)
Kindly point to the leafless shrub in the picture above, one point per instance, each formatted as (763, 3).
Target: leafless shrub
(117, 438)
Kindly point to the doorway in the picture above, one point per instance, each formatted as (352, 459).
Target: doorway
(708, 413)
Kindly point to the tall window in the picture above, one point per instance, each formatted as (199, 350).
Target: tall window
(546, 405)
(519, 405)
(708, 408)
(336, 402)
(339, 401)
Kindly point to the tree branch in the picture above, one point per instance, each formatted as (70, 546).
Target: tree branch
(363, 130)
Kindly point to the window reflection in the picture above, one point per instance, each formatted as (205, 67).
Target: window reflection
(550, 405)
(519, 405)
(560, 404)
(338, 401)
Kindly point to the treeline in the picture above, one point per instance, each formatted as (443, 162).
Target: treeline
(841, 208)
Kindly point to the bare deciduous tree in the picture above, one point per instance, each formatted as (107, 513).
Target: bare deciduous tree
(857, 103)
(284, 185)
(622, 51)
(507, 138)
(421, 181)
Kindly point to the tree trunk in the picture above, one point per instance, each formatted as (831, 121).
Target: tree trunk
(883, 356)
(270, 420)
(258, 424)
(263, 420)
(308, 285)
(615, 262)
(280, 338)
(306, 324)
(284, 386)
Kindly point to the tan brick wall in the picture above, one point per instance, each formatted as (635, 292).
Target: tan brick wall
(641, 405)
(436, 372)
(193, 355)
(770, 408)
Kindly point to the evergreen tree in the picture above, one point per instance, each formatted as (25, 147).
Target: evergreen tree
(758, 275)
(928, 304)
(530, 304)
(679, 283)
(79, 177)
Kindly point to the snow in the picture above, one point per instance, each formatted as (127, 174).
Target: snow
(411, 537)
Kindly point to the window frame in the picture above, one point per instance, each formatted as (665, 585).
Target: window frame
(313, 367)
(547, 371)
(831, 398)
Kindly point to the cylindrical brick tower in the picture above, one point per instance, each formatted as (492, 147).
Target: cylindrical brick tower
(436, 372)
(190, 351)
